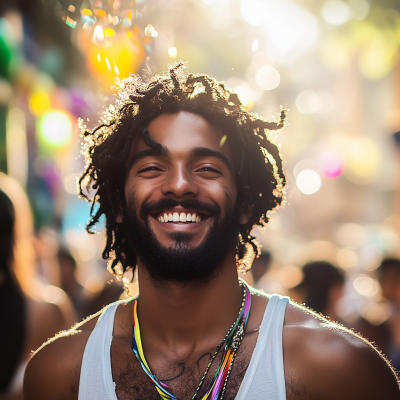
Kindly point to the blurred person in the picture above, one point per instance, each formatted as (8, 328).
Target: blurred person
(27, 319)
(388, 333)
(110, 291)
(260, 267)
(25, 322)
(262, 278)
(321, 288)
(85, 302)
(68, 281)
(183, 173)
(386, 336)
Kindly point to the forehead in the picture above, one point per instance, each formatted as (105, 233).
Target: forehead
(182, 131)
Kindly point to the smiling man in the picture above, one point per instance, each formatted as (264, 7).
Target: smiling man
(182, 172)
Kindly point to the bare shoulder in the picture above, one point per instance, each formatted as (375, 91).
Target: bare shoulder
(44, 320)
(325, 360)
(54, 369)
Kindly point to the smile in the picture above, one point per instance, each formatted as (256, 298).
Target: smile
(179, 217)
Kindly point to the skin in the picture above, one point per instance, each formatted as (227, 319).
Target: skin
(38, 330)
(181, 325)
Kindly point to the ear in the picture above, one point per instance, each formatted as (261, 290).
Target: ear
(246, 212)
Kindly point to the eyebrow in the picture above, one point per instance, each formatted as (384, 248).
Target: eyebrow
(158, 151)
(206, 152)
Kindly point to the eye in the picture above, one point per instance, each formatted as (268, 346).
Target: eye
(151, 169)
(208, 168)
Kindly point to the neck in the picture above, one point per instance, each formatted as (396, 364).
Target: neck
(177, 315)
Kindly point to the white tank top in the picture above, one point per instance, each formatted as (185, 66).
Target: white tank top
(264, 378)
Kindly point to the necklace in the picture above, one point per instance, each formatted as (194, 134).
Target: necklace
(232, 341)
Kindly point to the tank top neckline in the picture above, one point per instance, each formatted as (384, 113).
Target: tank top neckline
(107, 319)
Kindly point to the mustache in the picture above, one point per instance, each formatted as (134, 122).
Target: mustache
(166, 203)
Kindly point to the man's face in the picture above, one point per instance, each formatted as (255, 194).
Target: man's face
(182, 216)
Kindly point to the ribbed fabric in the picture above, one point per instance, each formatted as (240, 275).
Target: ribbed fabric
(264, 378)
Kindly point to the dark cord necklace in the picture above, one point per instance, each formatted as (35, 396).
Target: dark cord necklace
(232, 341)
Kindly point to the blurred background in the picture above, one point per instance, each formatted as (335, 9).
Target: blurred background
(334, 64)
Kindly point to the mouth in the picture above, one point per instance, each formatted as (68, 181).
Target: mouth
(180, 217)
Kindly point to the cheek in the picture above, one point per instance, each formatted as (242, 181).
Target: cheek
(222, 192)
(133, 195)
(136, 190)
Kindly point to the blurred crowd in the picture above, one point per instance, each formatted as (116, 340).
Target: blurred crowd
(36, 304)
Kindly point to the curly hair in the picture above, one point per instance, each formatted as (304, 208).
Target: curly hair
(259, 174)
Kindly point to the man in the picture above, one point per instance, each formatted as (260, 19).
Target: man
(182, 173)
(321, 288)
(387, 334)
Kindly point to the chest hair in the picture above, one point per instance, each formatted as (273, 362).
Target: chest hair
(182, 377)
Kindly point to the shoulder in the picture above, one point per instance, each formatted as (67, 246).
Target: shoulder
(54, 369)
(44, 320)
(327, 360)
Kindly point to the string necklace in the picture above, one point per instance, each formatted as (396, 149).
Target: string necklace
(232, 341)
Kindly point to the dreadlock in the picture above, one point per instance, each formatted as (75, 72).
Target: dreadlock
(259, 175)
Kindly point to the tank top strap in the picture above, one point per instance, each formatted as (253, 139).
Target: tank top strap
(265, 377)
(96, 374)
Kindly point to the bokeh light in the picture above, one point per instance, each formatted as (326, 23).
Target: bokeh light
(366, 286)
(346, 258)
(254, 11)
(359, 8)
(55, 129)
(308, 181)
(246, 94)
(336, 12)
(362, 160)
(331, 164)
(39, 103)
(172, 52)
(70, 184)
(254, 45)
(127, 53)
(290, 276)
(350, 235)
(308, 102)
(268, 78)
(375, 313)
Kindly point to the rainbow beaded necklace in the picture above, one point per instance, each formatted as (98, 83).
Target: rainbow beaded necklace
(232, 341)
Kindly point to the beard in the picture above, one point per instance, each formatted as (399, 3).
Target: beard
(181, 262)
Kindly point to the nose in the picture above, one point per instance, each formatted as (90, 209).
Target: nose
(179, 183)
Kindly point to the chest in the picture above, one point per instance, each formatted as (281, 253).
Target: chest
(182, 376)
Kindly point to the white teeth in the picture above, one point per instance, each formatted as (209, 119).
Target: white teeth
(179, 217)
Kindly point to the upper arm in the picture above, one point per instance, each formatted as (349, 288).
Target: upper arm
(356, 370)
(53, 371)
(327, 362)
